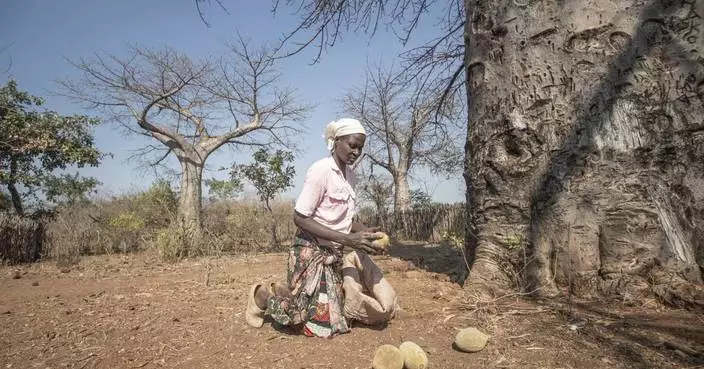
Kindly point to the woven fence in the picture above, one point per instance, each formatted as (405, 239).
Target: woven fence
(427, 223)
(21, 239)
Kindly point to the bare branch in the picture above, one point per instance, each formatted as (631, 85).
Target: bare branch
(191, 107)
(202, 15)
(380, 163)
(9, 57)
(323, 22)
(401, 126)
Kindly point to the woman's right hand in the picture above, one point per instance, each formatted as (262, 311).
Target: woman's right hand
(362, 241)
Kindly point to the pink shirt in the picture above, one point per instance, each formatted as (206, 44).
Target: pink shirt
(327, 197)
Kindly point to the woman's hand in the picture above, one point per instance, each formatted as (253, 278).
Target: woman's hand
(362, 241)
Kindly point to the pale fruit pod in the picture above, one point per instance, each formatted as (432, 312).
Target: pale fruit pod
(413, 356)
(387, 357)
(471, 340)
(382, 241)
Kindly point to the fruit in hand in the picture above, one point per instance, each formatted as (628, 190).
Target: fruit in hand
(381, 242)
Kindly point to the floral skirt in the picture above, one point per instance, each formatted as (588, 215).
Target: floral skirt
(315, 282)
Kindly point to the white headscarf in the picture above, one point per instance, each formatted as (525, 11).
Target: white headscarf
(342, 127)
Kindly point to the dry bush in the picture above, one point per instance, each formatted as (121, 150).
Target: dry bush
(119, 224)
(228, 226)
(142, 221)
(175, 243)
(246, 225)
(88, 229)
(425, 223)
(21, 239)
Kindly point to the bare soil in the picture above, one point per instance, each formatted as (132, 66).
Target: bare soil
(133, 311)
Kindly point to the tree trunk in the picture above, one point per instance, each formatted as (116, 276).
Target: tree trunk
(402, 202)
(189, 207)
(402, 192)
(274, 238)
(579, 117)
(12, 188)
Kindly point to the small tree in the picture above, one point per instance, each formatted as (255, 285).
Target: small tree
(35, 144)
(270, 175)
(223, 190)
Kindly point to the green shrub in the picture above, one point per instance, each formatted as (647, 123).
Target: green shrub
(157, 205)
(454, 238)
(171, 244)
(127, 221)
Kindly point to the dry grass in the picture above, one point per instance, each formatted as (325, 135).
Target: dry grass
(22, 239)
(142, 221)
(246, 225)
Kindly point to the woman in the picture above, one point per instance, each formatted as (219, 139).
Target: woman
(326, 290)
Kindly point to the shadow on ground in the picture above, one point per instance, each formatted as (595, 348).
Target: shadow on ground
(639, 335)
(439, 258)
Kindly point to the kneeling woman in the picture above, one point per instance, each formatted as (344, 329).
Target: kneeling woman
(326, 289)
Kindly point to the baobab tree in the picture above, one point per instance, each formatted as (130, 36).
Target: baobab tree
(405, 128)
(191, 108)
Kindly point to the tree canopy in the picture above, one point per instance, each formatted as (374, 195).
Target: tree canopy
(37, 145)
(270, 173)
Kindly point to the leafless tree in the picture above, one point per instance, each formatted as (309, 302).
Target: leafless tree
(406, 128)
(191, 108)
(376, 190)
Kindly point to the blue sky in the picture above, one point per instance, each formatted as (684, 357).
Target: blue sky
(41, 35)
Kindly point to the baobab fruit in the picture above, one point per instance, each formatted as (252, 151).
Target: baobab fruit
(382, 242)
(387, 357)
(471, 340)
(413, 356)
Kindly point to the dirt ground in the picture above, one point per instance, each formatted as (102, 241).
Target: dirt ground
(133, 311)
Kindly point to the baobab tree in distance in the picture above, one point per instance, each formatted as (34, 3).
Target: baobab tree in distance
(191, 108)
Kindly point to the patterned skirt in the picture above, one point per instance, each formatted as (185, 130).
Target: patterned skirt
(315, 282)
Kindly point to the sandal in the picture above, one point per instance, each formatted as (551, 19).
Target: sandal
(254, 315)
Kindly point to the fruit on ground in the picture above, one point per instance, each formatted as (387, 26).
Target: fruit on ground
(413, 356)
(471, 340)
(387, 357)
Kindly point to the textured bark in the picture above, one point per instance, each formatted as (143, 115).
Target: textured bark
(12, 188)
(402, 191)
(273, 226)
(585, 143)
(190, 196)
